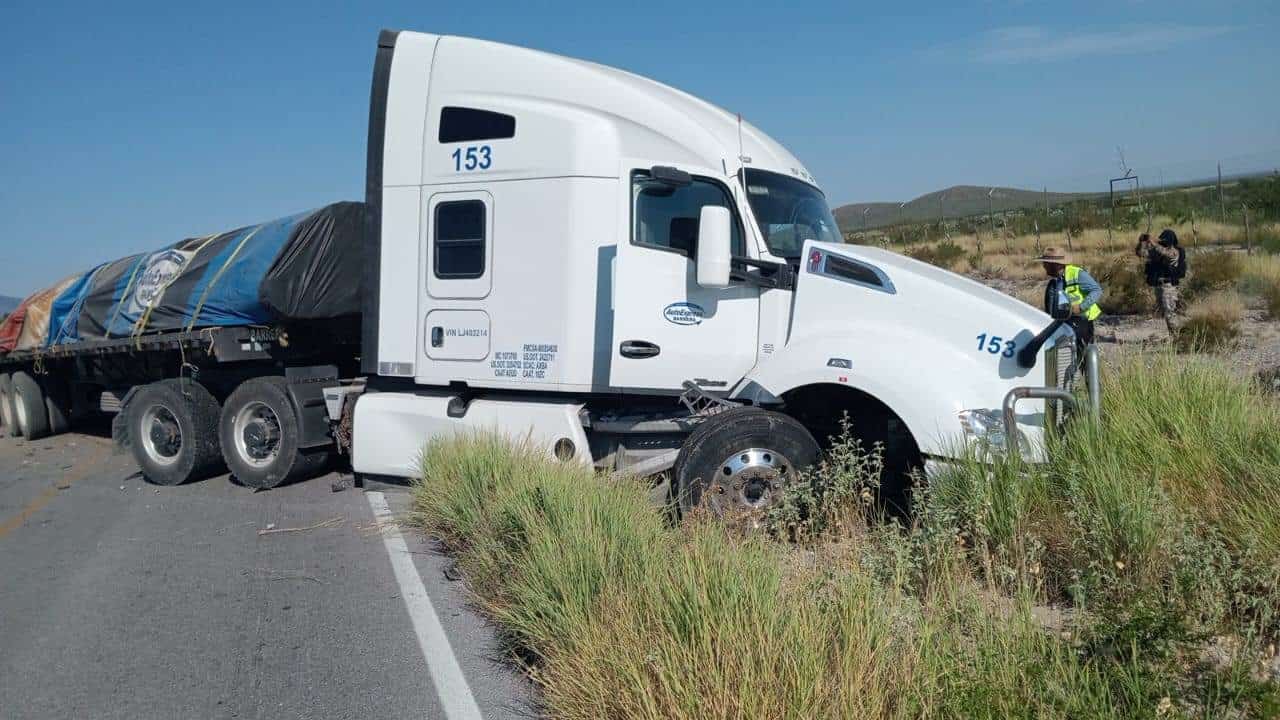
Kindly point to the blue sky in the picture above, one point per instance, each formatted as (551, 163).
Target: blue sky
(126, 126)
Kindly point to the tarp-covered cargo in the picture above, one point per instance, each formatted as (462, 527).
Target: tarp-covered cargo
(12, 327)
(298, 268)
(35, 326)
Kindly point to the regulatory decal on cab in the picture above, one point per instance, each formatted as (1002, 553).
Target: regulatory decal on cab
(684, 313)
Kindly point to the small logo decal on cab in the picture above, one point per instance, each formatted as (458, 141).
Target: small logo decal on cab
(683, 313)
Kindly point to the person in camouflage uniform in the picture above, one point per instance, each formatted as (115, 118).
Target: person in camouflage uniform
(1165, 267)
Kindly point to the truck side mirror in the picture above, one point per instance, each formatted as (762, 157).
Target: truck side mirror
(713, 247)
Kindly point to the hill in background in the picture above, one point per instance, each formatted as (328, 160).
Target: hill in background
(955, 201)
(8, 304)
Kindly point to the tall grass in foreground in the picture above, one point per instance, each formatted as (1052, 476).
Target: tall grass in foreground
(1172, 502)
(1154, 531)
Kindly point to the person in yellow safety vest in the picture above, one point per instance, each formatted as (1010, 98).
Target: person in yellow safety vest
(1081, 290)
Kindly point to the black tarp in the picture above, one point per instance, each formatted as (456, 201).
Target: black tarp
(303, 267)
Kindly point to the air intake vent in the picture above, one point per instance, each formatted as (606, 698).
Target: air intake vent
(850, 270)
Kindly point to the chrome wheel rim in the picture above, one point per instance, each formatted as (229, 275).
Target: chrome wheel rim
(749, 480)
(161, 435)
(256, 433)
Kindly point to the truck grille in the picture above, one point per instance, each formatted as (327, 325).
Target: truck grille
(1059, 372)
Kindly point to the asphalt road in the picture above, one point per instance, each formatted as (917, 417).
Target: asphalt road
(119, 599)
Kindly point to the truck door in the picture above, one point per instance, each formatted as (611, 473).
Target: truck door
(457, 251)
(666, 328)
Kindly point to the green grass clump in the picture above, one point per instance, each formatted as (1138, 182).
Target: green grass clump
(1165, 516)
(1155, 530)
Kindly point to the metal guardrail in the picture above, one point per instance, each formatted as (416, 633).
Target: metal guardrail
(1092, 380)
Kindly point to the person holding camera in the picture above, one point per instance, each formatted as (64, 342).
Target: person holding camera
(1165, 266)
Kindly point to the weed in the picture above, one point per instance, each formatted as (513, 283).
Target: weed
(1125, 290)
(1211, 272)
(1212, 324)
(834, 496)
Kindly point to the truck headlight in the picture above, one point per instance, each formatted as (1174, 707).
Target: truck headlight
(986, 427)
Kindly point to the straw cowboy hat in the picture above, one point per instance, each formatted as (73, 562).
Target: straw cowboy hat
(1054, 255)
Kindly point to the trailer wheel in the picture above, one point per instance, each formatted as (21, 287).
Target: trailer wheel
(173, 428)
(259, 431)
(57, 405)
(8, 418)
(738, 461)
(28, 407)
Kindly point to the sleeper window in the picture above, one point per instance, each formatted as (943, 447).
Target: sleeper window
(459, 124)
(666, 216)
(459, 240)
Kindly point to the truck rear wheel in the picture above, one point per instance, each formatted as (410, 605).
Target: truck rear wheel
(8, 419)
(738, 461)
(259, 431)
(173, 431)
(28, 407)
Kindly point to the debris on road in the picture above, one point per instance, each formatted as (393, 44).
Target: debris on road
(271, 529)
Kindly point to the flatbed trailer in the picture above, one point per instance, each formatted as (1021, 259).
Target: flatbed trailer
(43, 391)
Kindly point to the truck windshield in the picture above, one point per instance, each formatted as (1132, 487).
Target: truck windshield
(789, 212)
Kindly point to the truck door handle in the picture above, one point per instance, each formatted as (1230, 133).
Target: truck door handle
(638, 349)
(437, 336)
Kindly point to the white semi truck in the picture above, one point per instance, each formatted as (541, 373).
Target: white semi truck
(619, 274)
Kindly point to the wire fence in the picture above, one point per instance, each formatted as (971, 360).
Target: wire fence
(1234, 199)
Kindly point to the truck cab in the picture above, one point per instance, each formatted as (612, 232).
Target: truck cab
(598, 263)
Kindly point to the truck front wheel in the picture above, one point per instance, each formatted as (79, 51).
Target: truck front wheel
(173, 431)
(738, 461)
(260, 431)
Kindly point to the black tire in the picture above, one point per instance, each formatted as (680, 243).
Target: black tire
(173, 431)
(780, 446)
(57, 405)
(8, 420)
(28, 407)
(259, 431)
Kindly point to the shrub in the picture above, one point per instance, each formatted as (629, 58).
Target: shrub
(1124, 287)
(1211, 272)
(1212, 324)
(1266, 237)
(1271, 299)
(945, 254)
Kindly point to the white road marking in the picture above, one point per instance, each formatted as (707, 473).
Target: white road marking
(451, 685)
